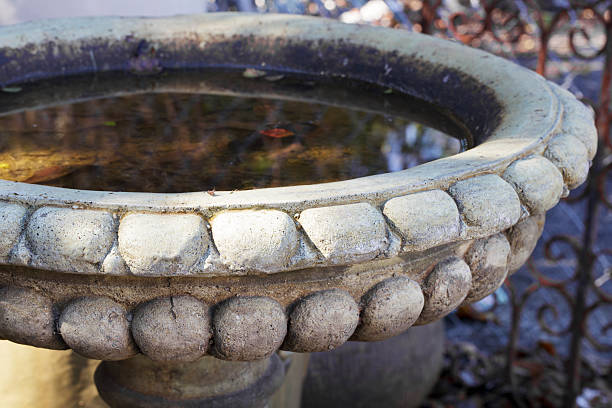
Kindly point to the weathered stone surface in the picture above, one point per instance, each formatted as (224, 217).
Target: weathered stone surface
(248, 328)
(12, 220)
(70, 240)
(97, 328)
(389, 308)
(260, 240)
(488, 260)
(578, 121)
(321, 321)
(487, 203)
(424, 219)
(523, 238)
(571, 157)
(445, 288)
(177, 328)
(28, 317)
(114, 264)
(162, 244)
(520, 126)
(537, 181)
(527, 118)
(346, 233)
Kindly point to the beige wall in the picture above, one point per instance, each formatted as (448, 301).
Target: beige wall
(39, 378)
(32, 377)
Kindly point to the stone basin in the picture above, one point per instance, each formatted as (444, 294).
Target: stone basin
(238, 275)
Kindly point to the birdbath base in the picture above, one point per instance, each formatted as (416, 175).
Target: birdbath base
(208, 382)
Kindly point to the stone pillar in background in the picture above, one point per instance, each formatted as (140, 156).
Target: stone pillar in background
(398, 372)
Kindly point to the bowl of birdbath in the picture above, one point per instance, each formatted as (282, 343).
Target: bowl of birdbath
(239, 274)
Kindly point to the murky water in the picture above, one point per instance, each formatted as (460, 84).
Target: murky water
(177, 140)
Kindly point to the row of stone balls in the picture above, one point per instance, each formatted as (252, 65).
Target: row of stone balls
(183, 328)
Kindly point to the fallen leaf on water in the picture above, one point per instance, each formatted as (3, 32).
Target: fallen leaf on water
(469, 312)
(49, 173)
(548, 347)
(388, 91)
(277, 133)
(11, 89)
(253, 73)
(274, 78)
(529, 368)
(110, 123)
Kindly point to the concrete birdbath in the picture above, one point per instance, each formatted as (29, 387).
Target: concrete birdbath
(187, 296)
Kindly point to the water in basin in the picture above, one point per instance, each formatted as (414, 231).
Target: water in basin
(207, 130)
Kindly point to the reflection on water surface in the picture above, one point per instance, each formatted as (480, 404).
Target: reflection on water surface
(170, 137)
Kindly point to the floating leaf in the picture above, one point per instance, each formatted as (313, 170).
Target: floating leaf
(277, 133)
(11, 89)
(253, 73)
(388, 91)
(274, 78)
(110, 123)
(547, 347)
(49, 173)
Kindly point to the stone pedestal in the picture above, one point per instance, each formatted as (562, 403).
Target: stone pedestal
(398, 372)
(208, 382)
